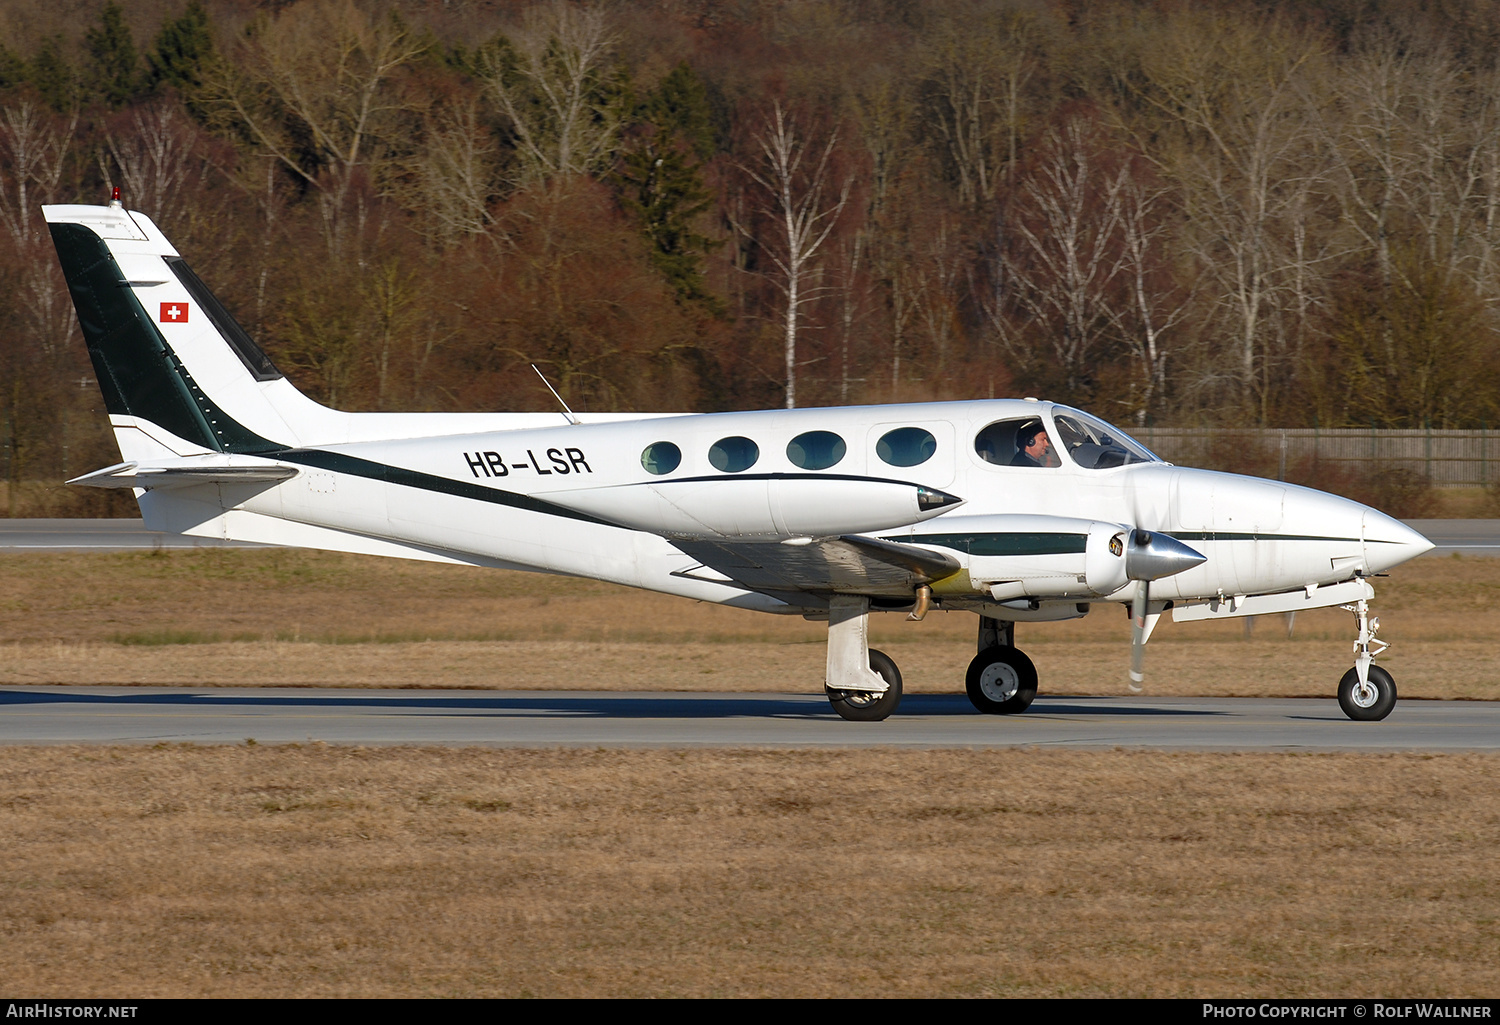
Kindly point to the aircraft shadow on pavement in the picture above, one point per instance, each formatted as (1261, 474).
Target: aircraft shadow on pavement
(1062, 706)
(1340, 717)
(578, 704)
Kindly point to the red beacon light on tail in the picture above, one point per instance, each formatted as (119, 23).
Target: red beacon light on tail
(114, 196)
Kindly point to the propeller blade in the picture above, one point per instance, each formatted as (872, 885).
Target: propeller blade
(1150, 556)
(1138, 636)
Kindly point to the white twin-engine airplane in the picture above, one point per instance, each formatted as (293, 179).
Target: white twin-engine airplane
(1016, 510)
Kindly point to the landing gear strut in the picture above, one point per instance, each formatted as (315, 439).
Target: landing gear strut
(863, 685)
(1367, 691)
(1001, 679)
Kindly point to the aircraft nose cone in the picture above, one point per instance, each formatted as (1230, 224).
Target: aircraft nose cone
(1150, 556)
(1389, 542)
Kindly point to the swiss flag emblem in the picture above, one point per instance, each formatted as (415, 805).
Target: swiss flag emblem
(174, 313)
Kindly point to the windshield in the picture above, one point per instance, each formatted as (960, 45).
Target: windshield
(1094, 444)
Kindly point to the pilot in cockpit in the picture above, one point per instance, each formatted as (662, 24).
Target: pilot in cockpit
(1034, 447)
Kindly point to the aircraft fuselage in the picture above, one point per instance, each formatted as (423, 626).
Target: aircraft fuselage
(602, 512)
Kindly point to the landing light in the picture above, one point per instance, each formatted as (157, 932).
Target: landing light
(929, 498)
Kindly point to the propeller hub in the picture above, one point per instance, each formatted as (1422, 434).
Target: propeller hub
(1150, 555)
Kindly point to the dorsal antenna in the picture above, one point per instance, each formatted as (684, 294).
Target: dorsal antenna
(566, 411)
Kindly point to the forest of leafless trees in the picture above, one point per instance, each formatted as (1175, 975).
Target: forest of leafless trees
(1211, 212)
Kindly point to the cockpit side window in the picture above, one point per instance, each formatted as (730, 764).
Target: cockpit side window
(1022, 442)
(1094, 444)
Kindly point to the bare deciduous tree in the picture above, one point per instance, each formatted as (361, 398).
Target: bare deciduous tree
(155, 159)
(1155, 304)
(557, 87)
(799, 203)
(853, 297)
(1415, 143)
(1220, 104)
(978, 64)
(33, 151)
(312, 87)
(34, 147)
(1066, 252)
(452, 180)
(939, 265)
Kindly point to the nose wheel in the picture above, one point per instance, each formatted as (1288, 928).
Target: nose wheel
(1371, 700)
(1366, 693)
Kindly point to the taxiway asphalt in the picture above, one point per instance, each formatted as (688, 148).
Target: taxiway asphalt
(105, 535)
(177, 715)
(1466, 537)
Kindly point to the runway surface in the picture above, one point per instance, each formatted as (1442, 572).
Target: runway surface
(1470, 537)
(139, 715)
(113, 535)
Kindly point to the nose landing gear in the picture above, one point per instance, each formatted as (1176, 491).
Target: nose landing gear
(1366, 692)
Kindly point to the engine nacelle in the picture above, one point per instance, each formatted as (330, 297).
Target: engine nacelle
(770, 507)
(1028, 556)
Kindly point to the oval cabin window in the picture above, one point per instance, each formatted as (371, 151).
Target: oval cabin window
(906, 446)
(661, 457)
(732, 455)
(816, 450)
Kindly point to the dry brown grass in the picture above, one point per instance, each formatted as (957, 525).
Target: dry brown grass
(311, 618)
(311, 871)
(376, 872)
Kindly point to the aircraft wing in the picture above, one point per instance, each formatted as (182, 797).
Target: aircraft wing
(849, 564)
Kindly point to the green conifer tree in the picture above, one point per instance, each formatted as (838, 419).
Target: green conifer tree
(12, 68)
(184, 49)
(681, 106)
(663, 188)
(115, 72)
(52, 76)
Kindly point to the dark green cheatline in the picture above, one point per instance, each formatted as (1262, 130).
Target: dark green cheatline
(1003, 544)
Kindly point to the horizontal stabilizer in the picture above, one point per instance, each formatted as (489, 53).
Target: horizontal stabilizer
(136, 475)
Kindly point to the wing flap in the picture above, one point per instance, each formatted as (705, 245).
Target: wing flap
(840, 565)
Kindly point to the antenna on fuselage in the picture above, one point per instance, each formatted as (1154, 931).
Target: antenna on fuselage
(566, 411)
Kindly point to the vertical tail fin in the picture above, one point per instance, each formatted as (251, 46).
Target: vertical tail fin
(177, 372)
(179, 375)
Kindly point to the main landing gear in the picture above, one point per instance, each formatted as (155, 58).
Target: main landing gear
(868, 706)
(863, 685)
(1001, 679)
(1367, 691)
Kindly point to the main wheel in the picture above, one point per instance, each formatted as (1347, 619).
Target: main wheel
(1371, 703)
(1001, 681)
(863, 705)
